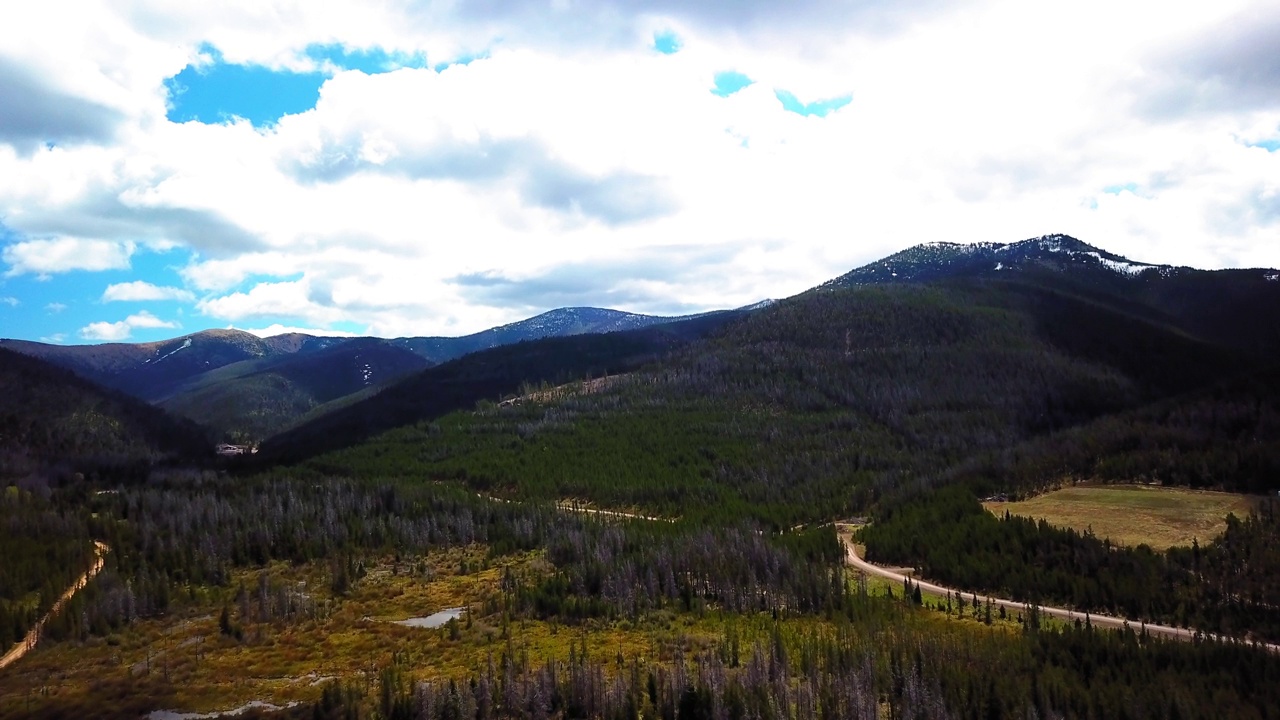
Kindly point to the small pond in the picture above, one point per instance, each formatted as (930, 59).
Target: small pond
(435, 620)
(254, 705)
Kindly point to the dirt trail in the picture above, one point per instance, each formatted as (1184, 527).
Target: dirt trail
(1106, 621)
(28, 643)
(901, 574)
(575, 507)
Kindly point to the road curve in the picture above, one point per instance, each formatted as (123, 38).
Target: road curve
(28, 643)
(1106, 621)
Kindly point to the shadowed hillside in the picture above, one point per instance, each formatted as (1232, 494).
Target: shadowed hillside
(487, 375)
(53, 421)
(255, 399)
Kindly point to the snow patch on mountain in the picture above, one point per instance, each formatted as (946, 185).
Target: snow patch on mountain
(758, 305)
(185, 344)
(938, 260)
(1125, 267)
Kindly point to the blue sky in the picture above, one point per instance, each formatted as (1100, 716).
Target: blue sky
(353, 168)
(214, 90)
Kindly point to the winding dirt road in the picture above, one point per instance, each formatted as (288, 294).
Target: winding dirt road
(1105, 621)
(28, 643)
(851, 554)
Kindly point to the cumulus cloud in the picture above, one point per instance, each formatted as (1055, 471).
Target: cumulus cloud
(64, 254)
(38, 113)
(141, 290)
(647, 281)
(1230, 67)
(438, 130)
(289, 299)
(127, 213)
(278, 329)
(121, 330)
(616, 199)
(573, 163)
(617, 20)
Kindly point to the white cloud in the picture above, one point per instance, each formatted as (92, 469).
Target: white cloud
(121, 330)
(575, 149)
(59, 255)
(278, 329)
(289, 299)
(10, 301)
(55, 307)
(140, 290)
(107, 331)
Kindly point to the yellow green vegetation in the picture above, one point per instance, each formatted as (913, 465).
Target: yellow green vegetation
(195, 660)
(1132, 515)
(190, 662)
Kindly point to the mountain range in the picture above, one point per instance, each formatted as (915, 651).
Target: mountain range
(245, 388)
(1054, 365)
(902, 392)
(1159, 329)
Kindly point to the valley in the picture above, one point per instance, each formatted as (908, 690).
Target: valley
(643, 522)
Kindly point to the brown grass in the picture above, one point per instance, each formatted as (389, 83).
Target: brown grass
(1134, 514)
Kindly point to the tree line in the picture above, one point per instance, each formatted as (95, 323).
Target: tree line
(1230, 585)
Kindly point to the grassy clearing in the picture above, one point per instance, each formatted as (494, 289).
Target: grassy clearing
(184, 662)
(1134, 514)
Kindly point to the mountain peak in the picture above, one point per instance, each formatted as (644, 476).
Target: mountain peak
(1055, 243)
(940, 260)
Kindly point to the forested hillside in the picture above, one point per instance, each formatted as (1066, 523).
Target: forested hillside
(819, 405)
(561, 322)
(1233, 308)
(54, 424)
(488, 375)
(1225, 436)
(254, 399)
(244, 388)
(1229, 585)
(152, 371)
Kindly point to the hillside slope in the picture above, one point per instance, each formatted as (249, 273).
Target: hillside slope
(152, 371)
(254, 399)
(486, 375)
(245, 388)
(54, 422)
(562, 322)
(817, 405)
(1234, 308)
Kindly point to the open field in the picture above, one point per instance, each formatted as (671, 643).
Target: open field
(1134, 514)
(183, 662)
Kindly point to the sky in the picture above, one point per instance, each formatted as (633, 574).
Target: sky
(401, 168)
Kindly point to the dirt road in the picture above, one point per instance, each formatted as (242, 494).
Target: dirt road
(1105, 621)
(24, 646)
